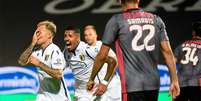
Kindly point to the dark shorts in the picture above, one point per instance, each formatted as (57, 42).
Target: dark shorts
(150, 95)
(189, 94)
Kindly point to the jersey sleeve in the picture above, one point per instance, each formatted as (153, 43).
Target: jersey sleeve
(58, 61)
(162, 30)
(91, 52)
(110, 32)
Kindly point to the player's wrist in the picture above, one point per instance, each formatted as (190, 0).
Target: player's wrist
(91, 80)
(33, 44)
(104, 82)
(38, 64)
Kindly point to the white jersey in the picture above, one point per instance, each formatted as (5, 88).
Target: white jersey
(114, 84)
(81, 63)
(51, 89)
(92, 51)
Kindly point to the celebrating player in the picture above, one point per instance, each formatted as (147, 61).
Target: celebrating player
(50, 62)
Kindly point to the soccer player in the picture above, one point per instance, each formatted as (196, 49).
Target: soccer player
(139, 38)
(80, 59)
(188, 55)
(90, 36)
(50, 62)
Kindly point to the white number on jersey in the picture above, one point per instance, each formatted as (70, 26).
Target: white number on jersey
(150, 35)
(190, 56)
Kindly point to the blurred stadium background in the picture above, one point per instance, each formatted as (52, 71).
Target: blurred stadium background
(19, 17)
(21, 83)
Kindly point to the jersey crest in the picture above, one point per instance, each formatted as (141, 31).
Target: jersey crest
(46, 57)
(82, 57)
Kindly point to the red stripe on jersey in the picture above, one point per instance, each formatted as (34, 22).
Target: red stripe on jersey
(193, 42)
(132, 15)
(121, 69)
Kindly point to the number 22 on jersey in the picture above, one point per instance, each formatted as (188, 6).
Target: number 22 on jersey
(140, 30)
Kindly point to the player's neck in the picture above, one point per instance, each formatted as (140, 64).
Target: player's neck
(45, 45)
(130, 6)
(93, 44)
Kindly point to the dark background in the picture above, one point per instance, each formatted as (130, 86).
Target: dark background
(18, 19)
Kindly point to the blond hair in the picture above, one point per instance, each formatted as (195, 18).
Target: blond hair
(89, 27)
(49, 25)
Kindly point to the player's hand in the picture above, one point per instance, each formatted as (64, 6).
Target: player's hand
(174, 90)
(35, 37)
(34, 61)
(100, 89)
(90, 85)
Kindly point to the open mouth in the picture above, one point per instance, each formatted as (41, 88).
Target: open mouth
(68, 43)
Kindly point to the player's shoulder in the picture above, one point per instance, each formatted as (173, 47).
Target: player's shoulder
(54, 47)
(98, 43)
(83, 43)
(82, 46)
(157, 18)
(117, 16)
(151, 13)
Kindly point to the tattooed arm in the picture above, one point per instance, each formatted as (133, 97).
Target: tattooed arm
(55, 73)
(24, 57)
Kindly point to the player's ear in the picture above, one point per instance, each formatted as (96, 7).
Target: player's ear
(50, 35)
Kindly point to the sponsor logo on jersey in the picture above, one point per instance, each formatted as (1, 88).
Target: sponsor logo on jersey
(58, 62)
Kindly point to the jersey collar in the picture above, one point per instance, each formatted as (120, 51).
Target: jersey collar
(79, 47)
(43, 50)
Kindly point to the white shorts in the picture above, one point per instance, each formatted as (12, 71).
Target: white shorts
(43, 97)
(113, 92)
(81, 94)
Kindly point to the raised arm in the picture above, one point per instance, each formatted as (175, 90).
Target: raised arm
(170, 61)
(24, 57)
